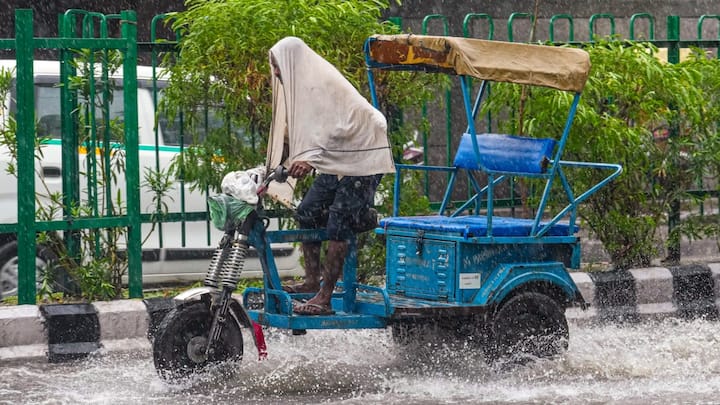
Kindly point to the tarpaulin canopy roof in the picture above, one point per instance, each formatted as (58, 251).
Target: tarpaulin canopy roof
(540, 65)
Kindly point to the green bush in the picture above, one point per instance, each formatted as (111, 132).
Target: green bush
(223, 63)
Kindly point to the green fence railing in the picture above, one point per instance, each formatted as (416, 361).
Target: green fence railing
(27, 226)
(86, 30)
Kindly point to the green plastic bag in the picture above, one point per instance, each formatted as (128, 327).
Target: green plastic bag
(227, 212)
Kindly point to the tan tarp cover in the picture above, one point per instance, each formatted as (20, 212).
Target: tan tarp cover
(541, 65)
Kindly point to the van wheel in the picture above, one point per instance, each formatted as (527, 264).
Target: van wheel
(528, 326)
(45, 260)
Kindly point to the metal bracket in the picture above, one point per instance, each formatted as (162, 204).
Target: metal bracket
(419, 241)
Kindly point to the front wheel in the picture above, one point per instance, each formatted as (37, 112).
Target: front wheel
(529, 325)
(179, 346)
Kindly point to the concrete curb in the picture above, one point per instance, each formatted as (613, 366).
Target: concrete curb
(26, 332)
(686, 292)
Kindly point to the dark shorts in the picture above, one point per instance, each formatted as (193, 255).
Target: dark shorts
(340, 206)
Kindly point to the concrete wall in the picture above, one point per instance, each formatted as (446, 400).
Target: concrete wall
(413, 12)
(46, 13)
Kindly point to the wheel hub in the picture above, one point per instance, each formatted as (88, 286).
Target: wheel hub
(196, 349)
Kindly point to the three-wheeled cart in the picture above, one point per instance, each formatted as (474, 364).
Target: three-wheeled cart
(499, 282)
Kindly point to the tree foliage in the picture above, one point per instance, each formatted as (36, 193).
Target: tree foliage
(223, 63)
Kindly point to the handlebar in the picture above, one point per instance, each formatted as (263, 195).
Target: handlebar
(280, 174)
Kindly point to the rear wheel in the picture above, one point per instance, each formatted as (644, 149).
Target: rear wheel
(179, 346)
(529, 325)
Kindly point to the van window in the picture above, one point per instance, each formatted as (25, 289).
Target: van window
(216, 120)
(47, 113)
(47, 110)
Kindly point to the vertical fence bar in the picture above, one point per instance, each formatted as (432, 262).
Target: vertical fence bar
(512, 183)
(25, 156)
(448, 126)
(128, 24)
(594, 18)
(511, 20)
(673, 34)
(700, 22)
(673, 248)
(491, 33)
(700, 28)
(651, 25)
(469, 18)
(91, 144)
(69, 138)
(571, 26)
(107, 136)
(156, 128)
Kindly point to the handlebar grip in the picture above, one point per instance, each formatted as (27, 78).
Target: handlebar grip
(280, 174)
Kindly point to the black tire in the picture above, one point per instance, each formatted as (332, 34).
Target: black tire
(529, 325)
(185, 328)
(45, 261)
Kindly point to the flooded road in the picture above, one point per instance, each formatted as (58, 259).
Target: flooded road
(671, 362)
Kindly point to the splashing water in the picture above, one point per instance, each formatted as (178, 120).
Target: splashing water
(655, 363)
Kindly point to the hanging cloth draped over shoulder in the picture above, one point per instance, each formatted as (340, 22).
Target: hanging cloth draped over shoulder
(322, 117)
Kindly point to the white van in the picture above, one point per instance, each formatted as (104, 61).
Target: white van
(177, 260)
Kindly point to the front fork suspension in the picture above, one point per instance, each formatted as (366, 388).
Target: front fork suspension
(229, 276)
(219, 320)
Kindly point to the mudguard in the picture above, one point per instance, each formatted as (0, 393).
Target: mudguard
(508, 276)
(237, 312)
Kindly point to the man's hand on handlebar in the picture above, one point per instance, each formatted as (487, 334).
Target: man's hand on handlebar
(299, 169)
(279, 174)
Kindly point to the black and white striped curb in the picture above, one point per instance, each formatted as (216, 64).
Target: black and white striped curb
(686, 291)
(61, 332)
(69, 331)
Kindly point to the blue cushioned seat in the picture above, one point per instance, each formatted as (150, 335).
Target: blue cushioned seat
(472, 225)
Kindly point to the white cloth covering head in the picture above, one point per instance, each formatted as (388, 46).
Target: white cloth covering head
(328, 123)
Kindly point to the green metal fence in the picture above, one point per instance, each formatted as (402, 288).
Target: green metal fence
(87, 30)
(84, 30)
(27, 226)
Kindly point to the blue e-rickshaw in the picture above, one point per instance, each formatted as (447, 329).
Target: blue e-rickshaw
(499, 282)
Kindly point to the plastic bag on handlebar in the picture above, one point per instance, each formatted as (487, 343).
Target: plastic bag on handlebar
(227, 212)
